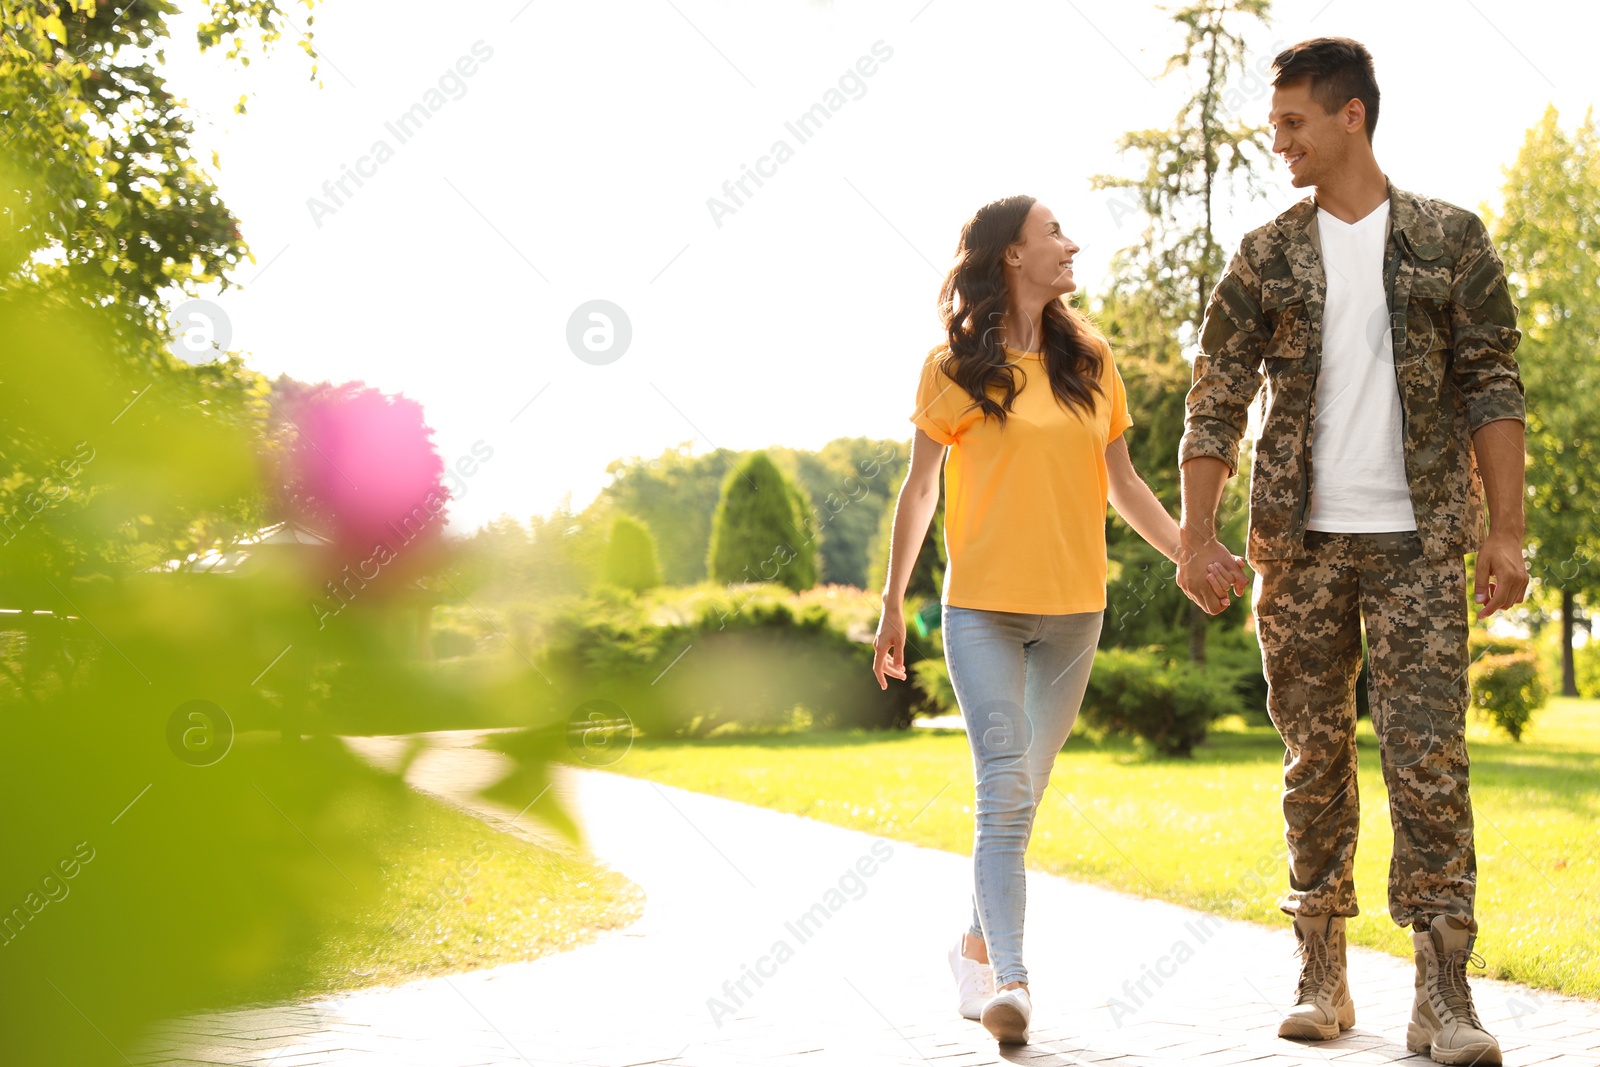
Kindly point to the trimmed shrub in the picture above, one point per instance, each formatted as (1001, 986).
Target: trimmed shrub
(704, 660)
(1169, 704)
(631, 561)
(758, 533)
(1136, 692)
(806, 544)
(1507, 689)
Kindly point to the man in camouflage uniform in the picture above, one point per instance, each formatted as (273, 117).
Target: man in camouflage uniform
(1434, 346)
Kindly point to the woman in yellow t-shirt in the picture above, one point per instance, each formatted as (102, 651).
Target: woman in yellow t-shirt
(1025, 396)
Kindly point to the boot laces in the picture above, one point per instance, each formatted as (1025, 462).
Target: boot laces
(1453, 989)
(1315, 963)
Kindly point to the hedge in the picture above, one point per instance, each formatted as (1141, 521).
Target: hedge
(1135, 692)
(1169, 703)
(705, 659)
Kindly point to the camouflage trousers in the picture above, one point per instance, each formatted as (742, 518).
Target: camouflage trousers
(1309, 613)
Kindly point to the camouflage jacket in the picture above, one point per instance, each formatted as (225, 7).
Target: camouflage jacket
(1454, 330)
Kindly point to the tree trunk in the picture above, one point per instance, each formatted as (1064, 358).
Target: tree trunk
(1569, 675)
(1198, 620)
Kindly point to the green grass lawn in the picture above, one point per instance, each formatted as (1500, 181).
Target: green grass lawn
(457, 896)
(1208, 832)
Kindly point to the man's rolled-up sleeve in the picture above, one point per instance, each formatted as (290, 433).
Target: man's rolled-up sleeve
(1227, 372)
(1484, 332)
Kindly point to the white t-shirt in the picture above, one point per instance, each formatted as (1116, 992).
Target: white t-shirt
(1358, 480)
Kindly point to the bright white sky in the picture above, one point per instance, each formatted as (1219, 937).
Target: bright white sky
(578, 159)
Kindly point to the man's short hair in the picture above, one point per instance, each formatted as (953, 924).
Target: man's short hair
(1340, 71)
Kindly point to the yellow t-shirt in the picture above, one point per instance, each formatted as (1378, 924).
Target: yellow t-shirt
(1025, 506)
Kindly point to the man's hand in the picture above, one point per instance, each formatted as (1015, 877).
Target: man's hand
(1500, 578)
(889, 646)
(1208, 572)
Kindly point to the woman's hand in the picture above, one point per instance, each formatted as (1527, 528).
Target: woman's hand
(889, 646)
(913, 511)
(1228, 579)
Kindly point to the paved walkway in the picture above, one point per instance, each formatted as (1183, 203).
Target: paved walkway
(770, 939)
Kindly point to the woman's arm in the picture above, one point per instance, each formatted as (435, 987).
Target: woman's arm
(1140, 509)
(913, 511)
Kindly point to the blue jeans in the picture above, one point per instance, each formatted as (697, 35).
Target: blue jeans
(1019, 680)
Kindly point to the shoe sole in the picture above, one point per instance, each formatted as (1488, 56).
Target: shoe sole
(1006, 1023)
(1306, 1030)
(1420, 1041)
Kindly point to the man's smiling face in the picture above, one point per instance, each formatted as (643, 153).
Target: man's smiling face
(1312, 143)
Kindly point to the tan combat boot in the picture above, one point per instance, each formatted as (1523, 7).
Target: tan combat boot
(1444, 1024)
(1322, 1002)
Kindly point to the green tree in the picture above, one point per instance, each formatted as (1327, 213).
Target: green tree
(1549, 236)
(496, 556)
(631, 556)
(849, 479)
(1160, 285)
(758, 532)
(567, 551)
(1144, 605)
(675, 495)
(108, 210)
(1156, 379)
(106, 180)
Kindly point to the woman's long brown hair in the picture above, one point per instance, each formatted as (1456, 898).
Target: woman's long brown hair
(972, 304)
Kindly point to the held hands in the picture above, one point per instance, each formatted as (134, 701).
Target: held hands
(889, 646)
(1208, 573)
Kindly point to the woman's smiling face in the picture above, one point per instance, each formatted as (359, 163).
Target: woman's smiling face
(1043, 254)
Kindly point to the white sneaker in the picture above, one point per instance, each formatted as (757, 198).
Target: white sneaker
(974, 981)
(1006, 1016)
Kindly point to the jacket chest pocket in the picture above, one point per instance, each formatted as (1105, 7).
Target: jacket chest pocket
(1427, 327)
(1285, 313)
